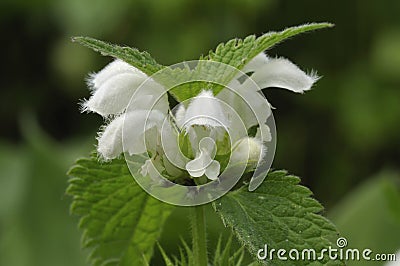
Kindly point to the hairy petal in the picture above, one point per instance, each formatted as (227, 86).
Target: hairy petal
(110, 140)
(142, 130)
(114, 68)
(284, 74)
(205, 110)
(256, 63)
(250, 105)
(114, 95)
(113, 87)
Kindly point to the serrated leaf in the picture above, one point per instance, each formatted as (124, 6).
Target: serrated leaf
(120, 221)
(239, 52)
(141, 60)
(280, 214)
(167, 260)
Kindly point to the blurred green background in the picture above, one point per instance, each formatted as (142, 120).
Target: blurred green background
(342, 138)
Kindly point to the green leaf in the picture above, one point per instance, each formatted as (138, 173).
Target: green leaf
(167, 260)
(141, 60)
(121, 222)
(239, 52)
(225, 257)
(281, 214)
(185, 259)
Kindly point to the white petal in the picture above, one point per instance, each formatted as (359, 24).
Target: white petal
(205, 110)
(282, 73)
(212, 171)
(116, 67)
(197, 167)
(141, 131)
(114, 86)
(110, 141)
(150, 96)
(208, 146)
(113, 96)
(256, 63)
(250, 105)
(204, 163)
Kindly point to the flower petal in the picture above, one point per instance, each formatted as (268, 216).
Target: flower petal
(114, 94)
(204, 158)
(282, 73)
(197, 167)
(207, 145)
(212, 171)
(114, 86)
(250, 105)
(256, 63)
(206, 110)
(141, 131)
(110, 140)
(116, 67)
(150, 96)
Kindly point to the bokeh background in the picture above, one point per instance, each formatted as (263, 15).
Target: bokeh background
(342, 138)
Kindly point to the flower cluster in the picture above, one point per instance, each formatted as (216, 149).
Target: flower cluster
(199, 138)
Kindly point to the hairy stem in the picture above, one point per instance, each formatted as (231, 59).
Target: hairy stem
(199, 242)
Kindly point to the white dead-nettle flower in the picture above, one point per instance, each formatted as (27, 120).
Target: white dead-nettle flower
(209, 122)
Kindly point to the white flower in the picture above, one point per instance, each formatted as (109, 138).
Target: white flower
(110, 140)
(141, 122)
(204, 110)
(205, 122)
(112, 89)
(279, 72)
(114, 86)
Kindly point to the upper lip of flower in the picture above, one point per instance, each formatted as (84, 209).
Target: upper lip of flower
(204, 110)
(114, 86)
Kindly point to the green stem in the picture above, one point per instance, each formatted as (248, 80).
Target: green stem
(199, 242)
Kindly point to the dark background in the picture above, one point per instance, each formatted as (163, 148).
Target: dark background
(342, 138)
